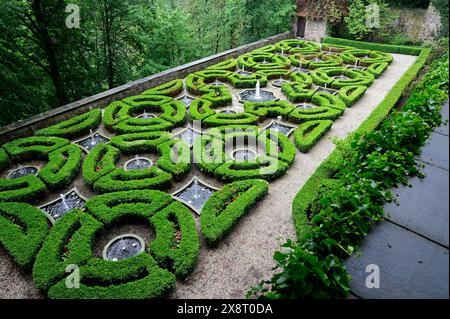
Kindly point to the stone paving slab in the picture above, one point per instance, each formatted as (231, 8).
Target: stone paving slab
(445, 115)
(424, 207)
(436, 151)
(411, 267)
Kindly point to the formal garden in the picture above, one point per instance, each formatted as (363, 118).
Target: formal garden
(187, 189)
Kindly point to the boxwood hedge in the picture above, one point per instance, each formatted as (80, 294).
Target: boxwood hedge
(225, 207)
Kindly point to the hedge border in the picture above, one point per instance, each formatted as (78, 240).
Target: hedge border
(308, 192)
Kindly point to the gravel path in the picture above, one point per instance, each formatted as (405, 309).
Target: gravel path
(245, 256)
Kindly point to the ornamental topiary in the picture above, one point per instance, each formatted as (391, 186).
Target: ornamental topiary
(172, 89)
(292, 46)
(35, 147)
(23, 229)
(76, 126)
(62, 167)
(224, 208)
(28, 189)
(316, 60)
(255, 61)
(309, 133)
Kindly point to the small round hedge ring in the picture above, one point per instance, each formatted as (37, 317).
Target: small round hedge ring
(365, 57)
(266, 155)
(63, 163)
(100, 171)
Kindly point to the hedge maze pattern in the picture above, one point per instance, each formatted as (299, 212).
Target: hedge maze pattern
(320, 82)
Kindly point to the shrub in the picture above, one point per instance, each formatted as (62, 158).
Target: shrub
(263, 167)
(175, 158)
(297, 92)
(220, 119)
(309, 61)
(4, 160)
(100, 161)
(228, 65)
(225, 207)
(76, 126)
(139, 142)
(135, 125)
(218, 95)
(172, 89)
(62, 167)
(309, 133)
(122, 180)
(292, 46)
(138, 277)
(201, 109)
(23, 229)
(111, 208)
(34, 147)
(269, 109)
(377, 68)
(69, 242)
(351, 94)
(176, 245)
(278, 146)
(273, 74)
(317, 113)
(115, 113)
(28, 189)
(241, 81)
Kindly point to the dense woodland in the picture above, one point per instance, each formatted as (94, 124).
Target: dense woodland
(45, 64)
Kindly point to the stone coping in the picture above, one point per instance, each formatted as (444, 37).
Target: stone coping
(29, 126)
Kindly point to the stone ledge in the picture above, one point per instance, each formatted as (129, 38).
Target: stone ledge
(29, 126)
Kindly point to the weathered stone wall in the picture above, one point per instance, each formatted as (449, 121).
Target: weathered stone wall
(315, 30)
(29, 126)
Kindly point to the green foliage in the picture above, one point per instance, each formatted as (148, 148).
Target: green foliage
(139, 142)
(77, 126)
(69, 242)
(172, 88)
(225, 207)
(176, 245)
(28, 188)
(23, 229)
(62, 167)
(100, 161)
(34, 147)
(309, 133)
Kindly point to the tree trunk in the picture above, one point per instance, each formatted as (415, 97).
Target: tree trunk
(50, 54)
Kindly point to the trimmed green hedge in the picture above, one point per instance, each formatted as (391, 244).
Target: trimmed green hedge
(220, 119)
(351, 94)
(172, 88)
(377, 68)
(23, 229)
(176, 245)
(309, 61)
(122, 180)
(69, 242)
(253, 61)
(174, 158)
(324, 76)
(138, 277)
(243, 82)
(34, 147)
(227, 65)
(297, 92)
(139, 142)
(62, 167)
(76, 126)
(317, 113)
(100, 161)
(225, 207)
(112, 207)
(293, 46)
(269, 109)
(4, 160)
(28, 189)
(309, 133)
(389, 48)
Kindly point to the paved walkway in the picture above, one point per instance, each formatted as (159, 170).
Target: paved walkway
(411, 246)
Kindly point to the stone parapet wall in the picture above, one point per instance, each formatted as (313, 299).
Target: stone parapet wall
(28, 127)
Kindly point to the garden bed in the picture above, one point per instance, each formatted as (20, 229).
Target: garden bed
(221, 257)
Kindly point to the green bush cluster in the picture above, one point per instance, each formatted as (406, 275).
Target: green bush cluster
(309, 133)
(225, 207)
(172, 89)
(76, 126)
(23, 229)
(316, 60)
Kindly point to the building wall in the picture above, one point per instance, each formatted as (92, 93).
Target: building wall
(315, 29)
